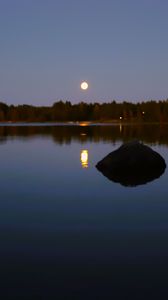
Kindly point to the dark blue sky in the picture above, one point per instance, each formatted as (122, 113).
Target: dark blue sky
(47, 47)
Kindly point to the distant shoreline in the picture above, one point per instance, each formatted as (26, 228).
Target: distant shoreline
(81, 123)
(90, 113)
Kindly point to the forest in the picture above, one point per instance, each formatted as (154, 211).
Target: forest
(65, 111)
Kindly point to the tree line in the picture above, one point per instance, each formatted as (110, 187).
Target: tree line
(65, 111)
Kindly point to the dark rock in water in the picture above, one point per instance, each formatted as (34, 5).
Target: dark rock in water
(132, 164)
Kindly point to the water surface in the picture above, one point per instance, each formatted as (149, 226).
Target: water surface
(68, 232)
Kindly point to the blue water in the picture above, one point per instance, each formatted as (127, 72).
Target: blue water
(67, 232)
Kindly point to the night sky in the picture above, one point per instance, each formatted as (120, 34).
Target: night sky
(47, 47)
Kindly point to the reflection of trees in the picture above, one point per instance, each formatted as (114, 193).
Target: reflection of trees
(67, 134)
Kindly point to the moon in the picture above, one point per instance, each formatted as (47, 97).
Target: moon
(84, 85)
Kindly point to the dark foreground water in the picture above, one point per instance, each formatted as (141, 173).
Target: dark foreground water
(66, 231)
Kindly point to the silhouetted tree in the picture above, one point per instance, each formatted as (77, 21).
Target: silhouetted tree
(150, 111)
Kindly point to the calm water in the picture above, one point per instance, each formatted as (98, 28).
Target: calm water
(66, 231)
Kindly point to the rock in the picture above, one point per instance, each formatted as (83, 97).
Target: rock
(132, 164)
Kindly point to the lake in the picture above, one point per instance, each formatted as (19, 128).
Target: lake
(67, 232)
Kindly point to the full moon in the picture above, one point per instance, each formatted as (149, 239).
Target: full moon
(84, 85)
